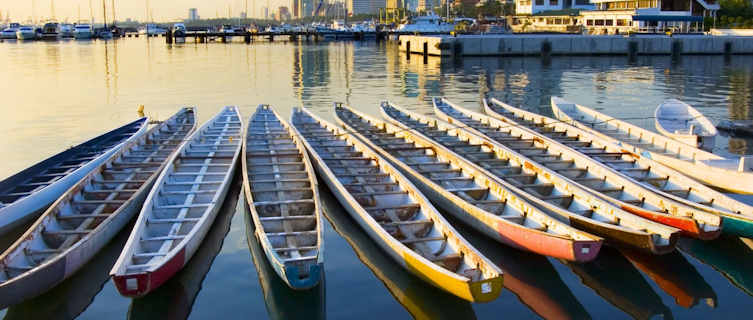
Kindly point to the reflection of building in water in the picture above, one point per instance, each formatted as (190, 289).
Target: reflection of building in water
(741, 93)
(310, 69)
(419, 79)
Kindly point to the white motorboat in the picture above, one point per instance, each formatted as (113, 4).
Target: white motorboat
(26, 33)
(10, 31)
(679, 121)
(83, 31)
(431, 23)
(51, 31)
(66, 30)
(152, 30)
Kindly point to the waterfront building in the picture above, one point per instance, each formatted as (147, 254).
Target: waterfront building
(193, 14)
(529, 7)
(359, 7)
(648, 16)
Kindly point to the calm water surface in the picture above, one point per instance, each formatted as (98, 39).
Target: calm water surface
(55, 95)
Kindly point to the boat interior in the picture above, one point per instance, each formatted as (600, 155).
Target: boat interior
(281, 190)
(97, 198)
(622, 162)
(385, 199)
(188, 191)
(58, 167)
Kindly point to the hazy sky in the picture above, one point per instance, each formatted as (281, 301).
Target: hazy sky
(135, 9)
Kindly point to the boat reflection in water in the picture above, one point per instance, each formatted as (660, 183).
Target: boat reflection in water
(616, 280)
(71, 297)
(531, 277)
(730, 256)
(420, 299)
(175, 298)
(675, 275)
(282, 301)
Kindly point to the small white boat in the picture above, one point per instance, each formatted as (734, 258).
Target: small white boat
(181, 206)
(10, 31)
(104, 34)
(29, 192)
(430, 23)
(83, 31)
(51, 31)
(283, 198)
(82, 221)
(734, 175)
(152, 30)
(679, 121)
(26, 33)
(66, 30)
(392, 211)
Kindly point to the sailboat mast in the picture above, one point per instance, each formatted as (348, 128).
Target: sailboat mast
(104, 12)
(113, 13)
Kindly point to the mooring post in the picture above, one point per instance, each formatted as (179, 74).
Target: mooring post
(426, 52)
(169, 36)
(247, 37)
(407, 50)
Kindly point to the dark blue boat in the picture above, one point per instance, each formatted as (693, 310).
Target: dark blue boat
(26, 194)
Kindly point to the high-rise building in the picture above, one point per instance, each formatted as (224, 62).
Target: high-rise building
(361, 6)
(265, 11)
(193, 14)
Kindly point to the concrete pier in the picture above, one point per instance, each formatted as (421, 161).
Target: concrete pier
(548, 45)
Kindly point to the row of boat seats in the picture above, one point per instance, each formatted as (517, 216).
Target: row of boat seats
(281, 190)
(384, 199)
(620, 161)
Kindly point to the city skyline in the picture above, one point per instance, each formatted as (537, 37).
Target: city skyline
(161, 10)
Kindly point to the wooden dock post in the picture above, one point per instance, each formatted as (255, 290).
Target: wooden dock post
(247, 37)
(169, 37)
(407, 50)
(426, 52)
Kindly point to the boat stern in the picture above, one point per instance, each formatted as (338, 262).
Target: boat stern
(295, 280)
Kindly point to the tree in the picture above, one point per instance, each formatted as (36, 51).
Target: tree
(490, 8)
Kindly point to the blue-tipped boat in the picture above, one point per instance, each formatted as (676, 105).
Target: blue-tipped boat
(282, 194)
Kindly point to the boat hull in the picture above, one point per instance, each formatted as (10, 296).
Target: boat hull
(50, 275)
(26, 35)
(143, 282)
(28, 208)
(725, 177)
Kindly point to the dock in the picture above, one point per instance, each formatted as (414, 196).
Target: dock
(549, 45)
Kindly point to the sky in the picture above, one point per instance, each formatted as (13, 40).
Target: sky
(163, 10)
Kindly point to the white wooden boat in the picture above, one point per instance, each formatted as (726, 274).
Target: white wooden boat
(550, 191)
(395, 214)
(664, 181)
(282, 302)
(735, 175)
(570, 172)
(469, 194)
(181, 206)
(89, 215)
(681, 122)
(281, 189)
(420, 299)
(181, 291)
(26, 194)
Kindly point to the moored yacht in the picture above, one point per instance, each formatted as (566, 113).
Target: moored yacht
(431, 23)
(83, 31)
(26, 33)
(66, 30)
(10, 31)
(51, 31)
(151, 30)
